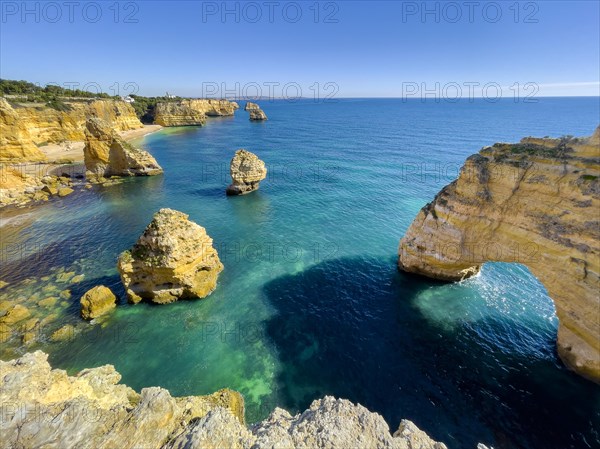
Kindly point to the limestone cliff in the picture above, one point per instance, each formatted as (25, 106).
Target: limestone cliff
(48, 125)
(246, 170)
(44, 407)
(536, 202)
(16, 142)
(173, 258)
(107, 154)
(191, 112)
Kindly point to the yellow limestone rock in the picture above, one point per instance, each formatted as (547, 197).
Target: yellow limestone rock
(536, 202)
(192, 112)
(107, 154)
(256, 113)
(48, 125)
(174, 258)
(246, 170)
(16, 143)
(96, 302)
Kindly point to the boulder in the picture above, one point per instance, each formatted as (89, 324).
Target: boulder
(246, 170)
(173, 258)
(96, 302)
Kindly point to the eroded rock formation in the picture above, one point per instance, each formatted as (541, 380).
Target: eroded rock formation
(246, 170)
(107, 154)
(256, 113)
(536, 202)
(191, 112)
(174, 258)
(22, 129)
(44, 407)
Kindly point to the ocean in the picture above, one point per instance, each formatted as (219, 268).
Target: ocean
(310, 302)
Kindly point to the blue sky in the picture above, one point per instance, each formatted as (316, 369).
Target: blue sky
(364, 49)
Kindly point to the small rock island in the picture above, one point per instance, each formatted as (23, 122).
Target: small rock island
(256, 113)
(173, 259)
(246, 170)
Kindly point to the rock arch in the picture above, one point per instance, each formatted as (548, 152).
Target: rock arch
(536, 202)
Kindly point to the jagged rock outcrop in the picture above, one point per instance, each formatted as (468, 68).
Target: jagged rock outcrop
(174, 258)
(16, 143)
(96, 302)
(107, 154)
(536, 203)
(191, 112)
(25, 127)
(246, 170)
(44, 407)
(256, 113)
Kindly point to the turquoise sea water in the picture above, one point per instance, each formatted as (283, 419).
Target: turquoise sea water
(310, 302)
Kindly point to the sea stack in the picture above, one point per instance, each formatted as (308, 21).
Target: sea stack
(107, 154)
(247, 170)
(256, 113)
(535, 202)
(173, 259)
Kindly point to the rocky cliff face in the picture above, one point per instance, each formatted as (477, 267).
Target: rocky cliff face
(107, 154)
(46, 125)
(42, 407)
(191, 112)
(536, 203)
(174, 258)
(246, 170)
(16, 142)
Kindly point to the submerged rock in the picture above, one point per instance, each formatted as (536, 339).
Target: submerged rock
(246, 170)
(107, 154)
(49, 408)
(535, 202)
(96, 302)
(15, 314)
(174, 258)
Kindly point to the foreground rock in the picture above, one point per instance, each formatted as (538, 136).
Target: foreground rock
(47, 408)
(536, 203)
(107, 154)
(246, 170)
(174, 258)
(256, 113)
(191, 112)
(96, 302)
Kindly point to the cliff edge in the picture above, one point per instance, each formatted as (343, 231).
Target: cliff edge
(535, 202)
(44, 407)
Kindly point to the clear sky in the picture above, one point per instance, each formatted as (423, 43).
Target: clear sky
(366, 49)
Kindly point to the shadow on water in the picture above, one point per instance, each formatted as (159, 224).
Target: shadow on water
(351, 328)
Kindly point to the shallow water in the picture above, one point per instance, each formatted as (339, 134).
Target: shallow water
(310, 301)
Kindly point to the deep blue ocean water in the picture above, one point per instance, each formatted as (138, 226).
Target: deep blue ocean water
(310, 302)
